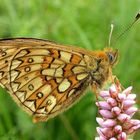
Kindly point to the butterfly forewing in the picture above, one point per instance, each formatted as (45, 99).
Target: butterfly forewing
(47, 80)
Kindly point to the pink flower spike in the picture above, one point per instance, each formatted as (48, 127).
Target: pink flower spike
(109, 123)
(131, 96)
(103, 105)
(104, 94)
(111, 102)
(118, 129)
(127, 90)
(116, 110)
(106, 114)
(124, 118)
(121, 96)
(122, 136)
(131, 110)
(128, 103)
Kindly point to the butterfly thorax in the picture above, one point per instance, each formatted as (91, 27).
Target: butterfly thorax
(98, 69)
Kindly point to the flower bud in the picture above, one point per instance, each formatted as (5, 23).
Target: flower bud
(131, 110)
(122, 136)
(116, 110)
(127, 90)
(118, 129)
(121, 96)
(111, 102)
(109, 123)
(113, 91)
(104, 94)
(124, 118)
(131, 96)
(135, 122)
(103, 105)
(128, 103)
(106, 114)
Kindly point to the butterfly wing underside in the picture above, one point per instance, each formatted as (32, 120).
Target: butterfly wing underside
(7, 48)
(45, 79)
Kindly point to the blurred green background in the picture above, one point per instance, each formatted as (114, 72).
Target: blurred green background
(72, 22)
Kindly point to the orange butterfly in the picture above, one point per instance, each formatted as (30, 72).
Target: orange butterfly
(45, 78)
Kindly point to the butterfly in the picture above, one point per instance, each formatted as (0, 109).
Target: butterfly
(46, 78)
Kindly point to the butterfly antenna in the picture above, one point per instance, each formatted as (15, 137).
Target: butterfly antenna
(110, 35)
(128, 28)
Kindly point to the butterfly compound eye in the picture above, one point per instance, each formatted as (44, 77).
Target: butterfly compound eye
(112, 56)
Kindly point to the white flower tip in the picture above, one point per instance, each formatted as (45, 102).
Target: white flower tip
(131, 96)
(113, 88)
(113, 91)
(99, 121)
(100, 138)
(127, 90)
(113, 139)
